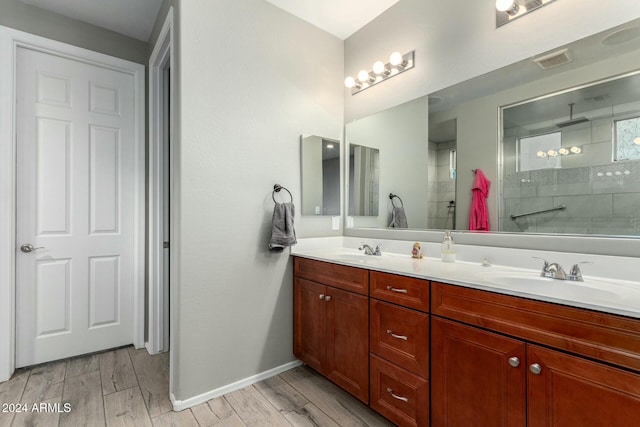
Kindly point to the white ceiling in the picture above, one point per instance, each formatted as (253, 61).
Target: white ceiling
(134, 18)
(341, 18)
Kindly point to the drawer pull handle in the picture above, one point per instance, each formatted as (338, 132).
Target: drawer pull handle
(400, 337)
(395, 396)
(514, 361)
(327, 298)
(400, 291)
(321, 296)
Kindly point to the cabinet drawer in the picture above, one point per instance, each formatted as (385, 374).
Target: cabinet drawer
(407, 291)
(400, 335)
(348, 278)
(606, 337)
(398, 394)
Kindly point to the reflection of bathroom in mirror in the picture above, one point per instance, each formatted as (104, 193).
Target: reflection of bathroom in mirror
(571, 161)
(401, 135)
(320, 163)
(364, 180)
(442, 173)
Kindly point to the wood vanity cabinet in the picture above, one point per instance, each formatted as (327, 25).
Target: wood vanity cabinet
(399, 341)
(481, 377)
(331, 323)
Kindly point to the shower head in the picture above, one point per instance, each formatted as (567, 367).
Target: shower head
(572, 121)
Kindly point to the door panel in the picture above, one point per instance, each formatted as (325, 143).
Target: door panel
(309, 326)
(472, 382)
(348, 341)
(571, 391)
(76, 204)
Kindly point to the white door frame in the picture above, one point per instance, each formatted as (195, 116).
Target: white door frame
(162, 55)
(10, 41)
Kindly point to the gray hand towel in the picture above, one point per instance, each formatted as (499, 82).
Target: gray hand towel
(282, 231)
(398, 218)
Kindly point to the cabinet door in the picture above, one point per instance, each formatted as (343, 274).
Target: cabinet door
(571, 391)
(473, 380)
(347, 361)
(309, 324)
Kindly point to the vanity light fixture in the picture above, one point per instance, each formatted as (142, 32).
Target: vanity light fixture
(576, 150)
(398, 63)
(508, 10)
(563, 151)
(552, 153)
(541, 154)
(636, 140)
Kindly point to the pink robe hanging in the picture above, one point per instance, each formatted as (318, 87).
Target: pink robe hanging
(478, 215)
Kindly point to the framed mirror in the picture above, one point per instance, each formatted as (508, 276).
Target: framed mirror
(474, 107)
(320, 170)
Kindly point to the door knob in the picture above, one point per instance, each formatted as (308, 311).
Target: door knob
(28, 247)
(535, 369)
(514, 361)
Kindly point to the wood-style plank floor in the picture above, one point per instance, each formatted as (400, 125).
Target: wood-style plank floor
(128, 387)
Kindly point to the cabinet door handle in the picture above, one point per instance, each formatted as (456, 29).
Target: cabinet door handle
(535, 369)
(321, 296)
(514, 361)
(327, 298)
(400, 291)
(395, 396)
(400, 337)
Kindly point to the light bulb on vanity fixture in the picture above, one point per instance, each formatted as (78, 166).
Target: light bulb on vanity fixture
(508, 6)
(636, 140)
(508, 10)
(397, 64)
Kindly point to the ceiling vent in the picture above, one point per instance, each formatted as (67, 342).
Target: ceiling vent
(554, 59)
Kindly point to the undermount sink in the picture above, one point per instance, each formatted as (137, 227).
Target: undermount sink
(589, 289)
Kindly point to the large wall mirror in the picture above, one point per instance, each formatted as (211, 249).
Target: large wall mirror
(459, 130)
(320, 163)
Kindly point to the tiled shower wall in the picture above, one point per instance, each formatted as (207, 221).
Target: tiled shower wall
(442, 189)
(601, 196)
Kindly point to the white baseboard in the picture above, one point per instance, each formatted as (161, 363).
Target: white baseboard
(180, 405)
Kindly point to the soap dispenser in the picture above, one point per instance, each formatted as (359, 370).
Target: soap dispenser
(448, 249)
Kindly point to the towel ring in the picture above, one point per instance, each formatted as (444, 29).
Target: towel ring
(394, 196)
(276, 189)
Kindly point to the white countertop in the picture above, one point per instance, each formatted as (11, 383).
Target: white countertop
(595, 293)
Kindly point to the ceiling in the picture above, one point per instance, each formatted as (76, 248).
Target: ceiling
(338, 17)
(134, 18)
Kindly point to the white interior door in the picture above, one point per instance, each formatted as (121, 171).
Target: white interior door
(75, 207)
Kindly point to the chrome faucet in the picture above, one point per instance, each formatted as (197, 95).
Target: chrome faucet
(555, 271)
(368, 250)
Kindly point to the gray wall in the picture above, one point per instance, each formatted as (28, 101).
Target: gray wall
(30, 19)
(253, 79)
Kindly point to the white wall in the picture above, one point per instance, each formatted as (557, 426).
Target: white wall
(456, 40)
(253, 79)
